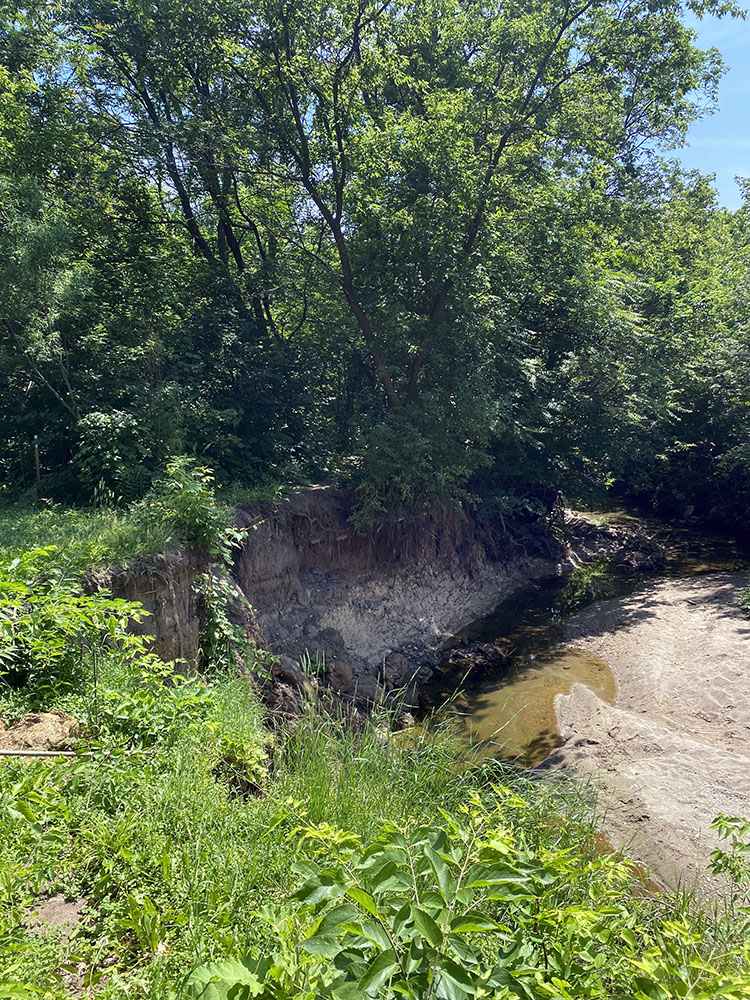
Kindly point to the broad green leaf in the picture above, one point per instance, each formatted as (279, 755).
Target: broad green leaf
(379, 972)
(363, 898)
(445, 878)
(472, 920)
(456, 973)
(344, 913)
(221, 980)
(318, 889)
(426, 926)
(322, 944)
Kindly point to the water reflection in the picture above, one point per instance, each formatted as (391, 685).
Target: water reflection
(515, 719)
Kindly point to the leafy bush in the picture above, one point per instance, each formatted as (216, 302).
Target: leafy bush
(112, 453)
(413, 462)
(150, 703)
(469, 909)
(47, 625)
(734, 861)
(185, 501)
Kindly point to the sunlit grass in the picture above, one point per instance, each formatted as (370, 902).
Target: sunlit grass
(85, 537)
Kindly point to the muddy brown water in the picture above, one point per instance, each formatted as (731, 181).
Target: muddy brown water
(508, 712)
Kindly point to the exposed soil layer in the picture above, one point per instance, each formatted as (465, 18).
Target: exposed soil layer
(377, 606)
(163, 584)
(40, 731)
(369, 609)
(371, 604)
(674, 751)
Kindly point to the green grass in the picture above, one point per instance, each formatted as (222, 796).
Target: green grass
(100, 537)
(85, 537)
(160, 831)
(177, 869)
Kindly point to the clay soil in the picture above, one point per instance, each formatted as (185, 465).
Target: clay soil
(673, 752)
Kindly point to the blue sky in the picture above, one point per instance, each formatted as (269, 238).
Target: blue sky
(720, 143)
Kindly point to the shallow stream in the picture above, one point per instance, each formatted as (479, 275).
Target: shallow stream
(508, 711)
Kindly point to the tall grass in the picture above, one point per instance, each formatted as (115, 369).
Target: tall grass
(85, 537)
(177, 865)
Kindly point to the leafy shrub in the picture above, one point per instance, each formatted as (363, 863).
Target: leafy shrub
(415, 462)
(112, 453)
(47, 625)
(185, 501)
(734, 861)
(151, 703)
(468, 910)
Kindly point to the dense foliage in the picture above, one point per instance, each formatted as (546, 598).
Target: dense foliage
(415, 245)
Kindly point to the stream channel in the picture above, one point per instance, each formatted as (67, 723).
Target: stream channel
(507, 712)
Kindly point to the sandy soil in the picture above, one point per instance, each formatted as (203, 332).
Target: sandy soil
(674, 752)
(40, 731)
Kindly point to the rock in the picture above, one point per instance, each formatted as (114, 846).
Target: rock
(367, 689)
(425, 674)
(396, 670)
(288, 670)
(485, 655)
(339, 675)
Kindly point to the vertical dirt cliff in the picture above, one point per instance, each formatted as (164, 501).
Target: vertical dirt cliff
(372, 605)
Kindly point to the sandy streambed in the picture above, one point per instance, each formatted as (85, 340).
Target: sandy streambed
(674, 750)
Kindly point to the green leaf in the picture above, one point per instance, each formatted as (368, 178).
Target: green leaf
(220, 980)
(629, 938)
(347, 991)
(426, 926)
(17, 991)
(501, 977)
(378, 972)
(322, 944)
(453, 971)
(443, 874)
(372, 930)
(384, 874)
(318, 889)
(364, 899)
(334, 918)
(472, 920)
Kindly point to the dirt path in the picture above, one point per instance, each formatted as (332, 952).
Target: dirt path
(674, 751)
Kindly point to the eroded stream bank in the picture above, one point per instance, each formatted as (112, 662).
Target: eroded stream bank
(365, 612)
(372, 615)
(646, 692)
